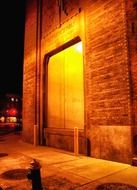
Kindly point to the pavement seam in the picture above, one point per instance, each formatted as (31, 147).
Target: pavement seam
(97, 178)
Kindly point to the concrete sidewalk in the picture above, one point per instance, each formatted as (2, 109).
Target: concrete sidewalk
(60, 170)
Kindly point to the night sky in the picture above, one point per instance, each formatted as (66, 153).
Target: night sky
(12, 46)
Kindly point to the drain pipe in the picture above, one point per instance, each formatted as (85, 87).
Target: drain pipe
(35, 135)
(76, 145)
(37, 74)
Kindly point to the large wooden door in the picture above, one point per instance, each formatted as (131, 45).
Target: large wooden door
(65, 100)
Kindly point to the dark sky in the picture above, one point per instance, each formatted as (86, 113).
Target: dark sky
(12, 45)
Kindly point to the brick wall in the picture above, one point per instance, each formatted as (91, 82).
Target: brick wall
(29, 71)
(102, 27)
(106, 64)
(107, 80)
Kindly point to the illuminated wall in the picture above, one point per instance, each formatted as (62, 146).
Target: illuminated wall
(65, 89)
(109, 76)
(29, 68)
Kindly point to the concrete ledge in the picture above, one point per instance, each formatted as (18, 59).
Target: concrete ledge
(64, 139)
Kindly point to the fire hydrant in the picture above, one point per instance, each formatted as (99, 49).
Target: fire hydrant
(34, 175)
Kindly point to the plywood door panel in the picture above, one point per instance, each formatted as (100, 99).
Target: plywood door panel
(55, 102)
(74, 92)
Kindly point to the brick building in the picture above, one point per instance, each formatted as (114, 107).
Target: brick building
(80, 72)
(10, 111)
